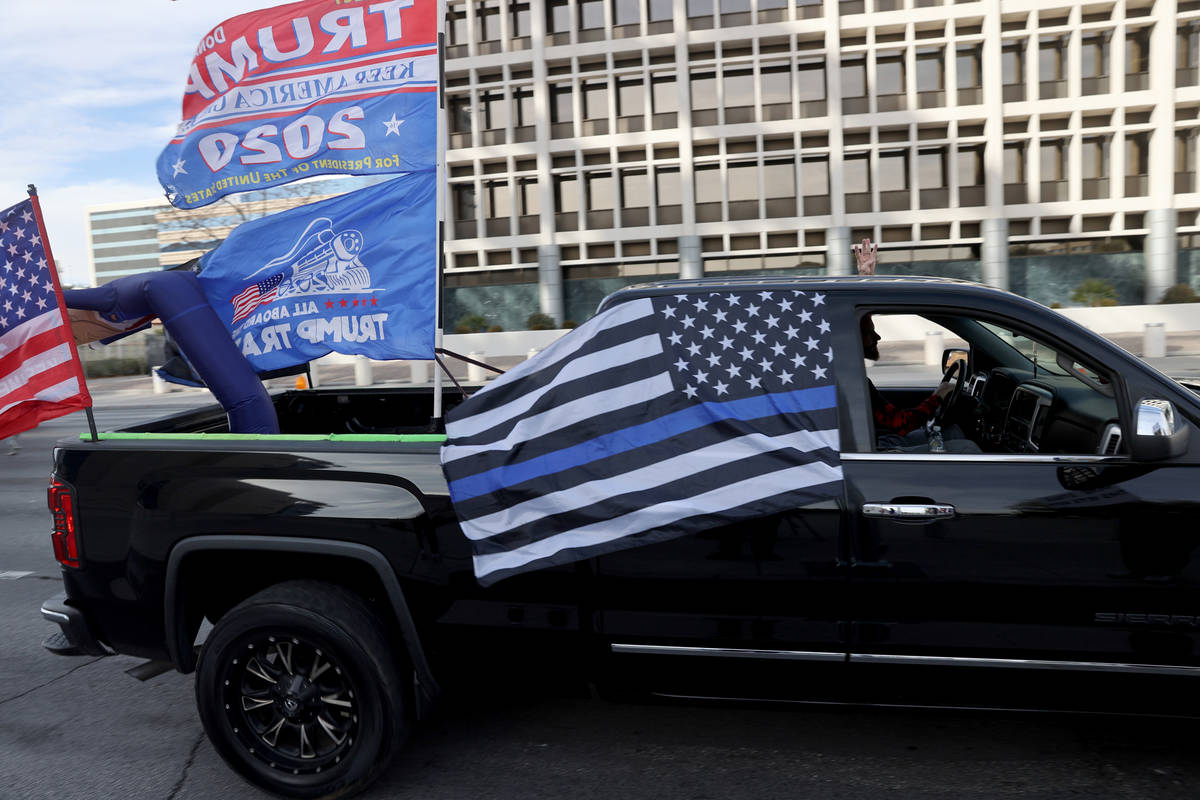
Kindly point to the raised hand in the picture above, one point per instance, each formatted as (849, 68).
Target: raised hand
(866, 255)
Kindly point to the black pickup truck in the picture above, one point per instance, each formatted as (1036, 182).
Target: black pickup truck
(1051, 538)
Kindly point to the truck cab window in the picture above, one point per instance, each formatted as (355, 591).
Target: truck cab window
(1020, 393)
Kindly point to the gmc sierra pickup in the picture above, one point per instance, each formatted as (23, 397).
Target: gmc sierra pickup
(1052, 536)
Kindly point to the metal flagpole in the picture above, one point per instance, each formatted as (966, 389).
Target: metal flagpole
(440, 173)
(62, 306)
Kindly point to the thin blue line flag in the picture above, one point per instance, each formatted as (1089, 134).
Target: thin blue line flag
(354, 274)
(659, 417)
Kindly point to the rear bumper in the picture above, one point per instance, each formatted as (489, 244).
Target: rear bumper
(80, 640)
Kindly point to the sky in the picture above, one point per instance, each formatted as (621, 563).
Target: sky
(92, 92)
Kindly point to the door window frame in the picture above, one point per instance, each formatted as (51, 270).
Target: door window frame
(852, 385)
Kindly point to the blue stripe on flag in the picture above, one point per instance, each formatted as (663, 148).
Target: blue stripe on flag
(631, 438)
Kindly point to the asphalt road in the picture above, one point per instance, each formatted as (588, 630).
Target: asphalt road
(80, 728)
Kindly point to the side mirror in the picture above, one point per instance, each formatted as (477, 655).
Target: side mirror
(951, 355)
(1158, 432)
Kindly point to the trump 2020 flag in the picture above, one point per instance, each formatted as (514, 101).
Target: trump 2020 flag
(353, 274)
(40, 374)
(323, 86)
(659, 417)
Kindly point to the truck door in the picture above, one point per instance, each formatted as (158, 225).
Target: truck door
(733, 611)
(1079, 560)
(735, 608)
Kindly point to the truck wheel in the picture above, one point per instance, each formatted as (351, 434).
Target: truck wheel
(299, 692)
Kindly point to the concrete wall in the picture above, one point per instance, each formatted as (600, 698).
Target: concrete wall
(1176, 318)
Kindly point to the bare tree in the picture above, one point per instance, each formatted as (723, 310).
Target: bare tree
(184, 234)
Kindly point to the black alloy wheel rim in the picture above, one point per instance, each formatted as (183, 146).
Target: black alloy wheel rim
(290, 703)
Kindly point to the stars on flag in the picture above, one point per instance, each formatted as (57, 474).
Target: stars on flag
(392, 125)
(727, 346)
(25, 281)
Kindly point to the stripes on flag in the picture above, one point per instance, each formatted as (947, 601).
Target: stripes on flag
(253, 296)
(659, 417)
(40, 375)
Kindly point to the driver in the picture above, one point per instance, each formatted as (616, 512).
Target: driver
(896, 428)
(890, 421)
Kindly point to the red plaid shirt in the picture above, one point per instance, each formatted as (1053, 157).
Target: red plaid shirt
(889, 419)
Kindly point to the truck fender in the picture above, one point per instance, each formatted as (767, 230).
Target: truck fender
(180, 652)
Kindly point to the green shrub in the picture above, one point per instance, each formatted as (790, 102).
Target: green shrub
(539, 322)
(1095, 292)
(472, 323)
(110, 367)
(1180, 293)
(570, 324)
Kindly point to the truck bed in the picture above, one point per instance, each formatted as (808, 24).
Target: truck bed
(372, 410)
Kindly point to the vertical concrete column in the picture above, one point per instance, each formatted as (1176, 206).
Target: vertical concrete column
(1074, 90)
(541, 124)
(1162, 117)
(837, 254)
(1162, 220)
(1160, 251)
(993, 101)
(994, 255)
(683, 91)
(691, 265)
(550, 288)
(833, 80)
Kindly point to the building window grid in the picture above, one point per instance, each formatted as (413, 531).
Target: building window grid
(1186, 142)
(759, 70)
(1137, 58)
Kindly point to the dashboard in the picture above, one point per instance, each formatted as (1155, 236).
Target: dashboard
(1016, 412)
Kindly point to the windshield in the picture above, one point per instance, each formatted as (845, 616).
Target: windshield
(1043, 357)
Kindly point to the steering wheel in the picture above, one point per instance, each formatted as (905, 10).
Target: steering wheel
(957, 370)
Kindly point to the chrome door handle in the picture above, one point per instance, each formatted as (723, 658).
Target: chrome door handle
(908, 510)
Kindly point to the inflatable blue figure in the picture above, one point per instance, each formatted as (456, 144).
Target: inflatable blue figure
(175, 297)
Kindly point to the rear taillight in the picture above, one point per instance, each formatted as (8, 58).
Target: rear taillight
(61, 499)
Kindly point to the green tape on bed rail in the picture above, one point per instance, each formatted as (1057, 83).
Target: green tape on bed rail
(432, 438)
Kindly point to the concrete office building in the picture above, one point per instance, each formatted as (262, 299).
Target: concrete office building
(1030, 144)
(1027, 143)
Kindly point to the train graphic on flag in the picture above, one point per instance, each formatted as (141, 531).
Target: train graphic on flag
(321, 261)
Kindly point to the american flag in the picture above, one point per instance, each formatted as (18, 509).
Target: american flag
(40, 374)
(253, 296)
(659, 417)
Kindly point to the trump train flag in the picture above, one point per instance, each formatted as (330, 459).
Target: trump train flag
(353, 274)
(659, 417)
(309, 88)
(40, 374)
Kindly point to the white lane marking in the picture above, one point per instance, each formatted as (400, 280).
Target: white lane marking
(12, 574)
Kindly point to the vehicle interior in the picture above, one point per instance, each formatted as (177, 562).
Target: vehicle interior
(1016, 393)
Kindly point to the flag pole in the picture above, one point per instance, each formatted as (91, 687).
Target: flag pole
(440, 171)
(62, 307)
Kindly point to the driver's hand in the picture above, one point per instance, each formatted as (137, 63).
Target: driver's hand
(944, 388)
